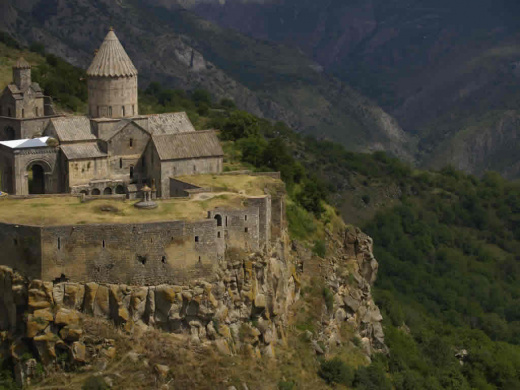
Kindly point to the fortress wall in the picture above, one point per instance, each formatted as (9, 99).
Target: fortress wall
(178, 188)
(21, 249)
(149, 254)
(192, 166)
(277, 215)
(264, 218)
(240, 228)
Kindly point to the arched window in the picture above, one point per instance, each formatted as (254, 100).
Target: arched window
(219, 220)
(131, 142)
(96, 191)
(9, 111)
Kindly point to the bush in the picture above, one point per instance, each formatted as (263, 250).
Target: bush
(319, 248)
(286, 385)
(336, 371)
(95, 383)
(329, 298)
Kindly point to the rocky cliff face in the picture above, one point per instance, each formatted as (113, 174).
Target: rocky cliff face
(248, 310)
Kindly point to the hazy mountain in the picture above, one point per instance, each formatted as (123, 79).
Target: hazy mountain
(448, 71)
(183, 50)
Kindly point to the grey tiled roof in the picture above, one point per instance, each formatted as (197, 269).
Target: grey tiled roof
(116, 128)
(188, 145)
(111, 60)
(81, 151)
(76, 128)
(171, 123)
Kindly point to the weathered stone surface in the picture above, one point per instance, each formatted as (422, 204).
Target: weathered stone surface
(45, 345)
(71, 333)
(66, 317)
(79, 352)
(161, 370)
(74, 294)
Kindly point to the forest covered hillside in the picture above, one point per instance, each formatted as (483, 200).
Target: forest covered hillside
(447, 71)
(447, 243)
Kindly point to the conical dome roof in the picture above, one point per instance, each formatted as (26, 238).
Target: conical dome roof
(22, 64)
(111, 59)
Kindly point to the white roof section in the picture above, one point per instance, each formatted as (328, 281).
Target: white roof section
(111, 60)
(26, 143)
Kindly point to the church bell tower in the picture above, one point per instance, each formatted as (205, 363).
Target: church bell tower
(112, 81)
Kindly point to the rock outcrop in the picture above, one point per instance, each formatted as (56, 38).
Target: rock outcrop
(247, 310)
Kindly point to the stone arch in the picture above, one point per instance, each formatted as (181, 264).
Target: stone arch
(218, 217)
(36, 171)
(107, 191)
(120, 190)
(96, 191)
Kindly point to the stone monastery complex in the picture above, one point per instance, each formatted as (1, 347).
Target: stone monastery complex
(116, 154)
(113, 150)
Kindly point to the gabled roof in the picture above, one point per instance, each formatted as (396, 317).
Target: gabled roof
(111, 60)
(194, 144)
(75, 128)
(26, 143)
(171, 123)
(85, 150)
(108, 135)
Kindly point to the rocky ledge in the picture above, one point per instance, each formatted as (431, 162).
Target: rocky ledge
(247, 310)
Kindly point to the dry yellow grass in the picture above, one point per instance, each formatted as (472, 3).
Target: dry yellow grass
(250, 185)
(70, 211)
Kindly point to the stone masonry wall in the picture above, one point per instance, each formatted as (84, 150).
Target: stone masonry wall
(147, 254)
(21, 248)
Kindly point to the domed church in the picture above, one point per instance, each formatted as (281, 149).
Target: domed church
(113, 150)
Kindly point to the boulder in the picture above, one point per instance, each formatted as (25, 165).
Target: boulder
(161, 370)
(66, 317)
(79, 352)
(73, 295)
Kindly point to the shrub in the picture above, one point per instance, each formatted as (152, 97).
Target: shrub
(336, 371)
(319, 248)
(329, 298)
(286, 385)
(95, 383)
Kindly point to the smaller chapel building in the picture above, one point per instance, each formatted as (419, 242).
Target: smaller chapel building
(113, 150)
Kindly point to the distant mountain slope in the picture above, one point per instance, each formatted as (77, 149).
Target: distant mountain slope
(448, 71)
(185, 51)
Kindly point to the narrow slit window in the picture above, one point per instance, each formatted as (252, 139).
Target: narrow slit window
(218, 234)
(196, 238)
(110, 111)
(131, 142)
(103, 243)
(246, 230)
(245, 217)
(131, 172)
(23, 113)
(120, 163)
(123, 110)
(59, 243)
